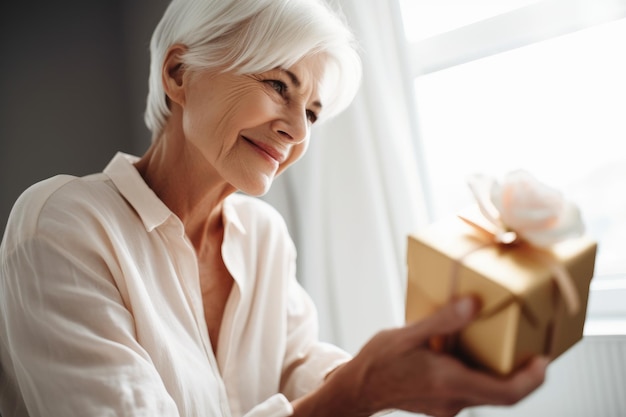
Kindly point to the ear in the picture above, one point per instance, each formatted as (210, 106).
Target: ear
(172, 74)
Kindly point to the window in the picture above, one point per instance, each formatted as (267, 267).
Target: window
(529, 84)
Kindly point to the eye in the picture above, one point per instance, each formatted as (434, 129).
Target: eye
(278, 86)
(311, 116)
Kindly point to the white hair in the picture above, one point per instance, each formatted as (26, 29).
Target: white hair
(253, 36)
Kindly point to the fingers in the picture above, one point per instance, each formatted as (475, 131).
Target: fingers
(447, 320)
(446, 384)
(528, 379)
(482, 388)
(397, 370)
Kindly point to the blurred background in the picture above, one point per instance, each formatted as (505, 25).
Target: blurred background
(73, 83)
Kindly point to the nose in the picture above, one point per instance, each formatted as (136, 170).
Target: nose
(293, 126)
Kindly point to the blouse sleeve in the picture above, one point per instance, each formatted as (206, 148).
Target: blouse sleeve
(308, 360)
(67, 341)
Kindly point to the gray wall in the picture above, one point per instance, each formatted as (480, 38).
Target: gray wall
(73, 82)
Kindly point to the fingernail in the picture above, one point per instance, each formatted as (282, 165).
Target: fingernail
(465, 307)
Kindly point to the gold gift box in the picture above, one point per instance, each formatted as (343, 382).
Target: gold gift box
(522, 312)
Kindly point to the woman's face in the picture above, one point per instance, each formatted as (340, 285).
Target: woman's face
(250, 128)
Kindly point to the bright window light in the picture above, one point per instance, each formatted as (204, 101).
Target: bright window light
(426, 18)
(555, 108)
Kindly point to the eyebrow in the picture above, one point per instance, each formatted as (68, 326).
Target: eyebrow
(296, 82)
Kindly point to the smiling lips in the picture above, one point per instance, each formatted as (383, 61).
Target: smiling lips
(268, 150)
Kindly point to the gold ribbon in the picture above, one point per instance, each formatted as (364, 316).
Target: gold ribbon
(560, 275)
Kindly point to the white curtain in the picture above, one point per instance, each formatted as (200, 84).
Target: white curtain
(353, 199)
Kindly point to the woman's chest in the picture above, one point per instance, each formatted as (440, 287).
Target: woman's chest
(216, 283)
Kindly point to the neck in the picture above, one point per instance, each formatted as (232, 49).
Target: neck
(183, 179)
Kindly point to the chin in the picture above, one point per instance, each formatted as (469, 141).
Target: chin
(257, 188)
(254, 194)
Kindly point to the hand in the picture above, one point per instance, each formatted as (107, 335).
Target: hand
(396, 370)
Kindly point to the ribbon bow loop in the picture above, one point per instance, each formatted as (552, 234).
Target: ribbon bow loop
(536, 213)
(523, 209)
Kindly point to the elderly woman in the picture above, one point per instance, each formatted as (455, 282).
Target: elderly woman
(155, 289)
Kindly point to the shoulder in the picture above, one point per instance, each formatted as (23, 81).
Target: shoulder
(52, 205)
(27, 209)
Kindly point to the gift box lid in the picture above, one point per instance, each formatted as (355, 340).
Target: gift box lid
(499, 274)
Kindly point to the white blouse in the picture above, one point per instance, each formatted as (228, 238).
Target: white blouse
(101, 312)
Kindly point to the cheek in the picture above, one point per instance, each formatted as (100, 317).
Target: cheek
(256, 109)
(206, 121)
(197, 116)
(228, 114)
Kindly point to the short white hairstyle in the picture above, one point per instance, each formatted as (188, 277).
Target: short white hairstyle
(253, 36)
